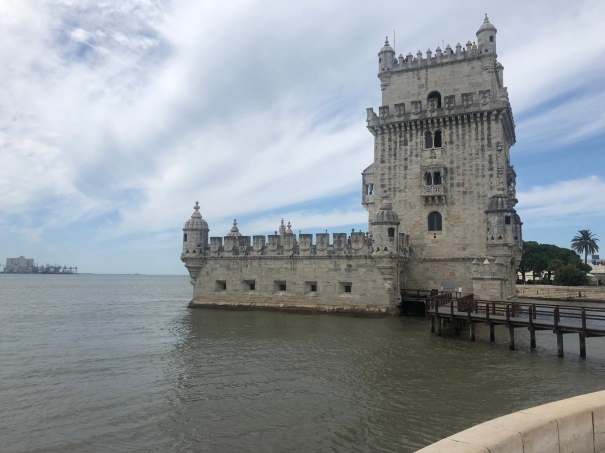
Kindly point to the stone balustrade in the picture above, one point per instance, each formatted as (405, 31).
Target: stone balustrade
(571, 425)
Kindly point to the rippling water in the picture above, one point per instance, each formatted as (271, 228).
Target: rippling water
(118, 363)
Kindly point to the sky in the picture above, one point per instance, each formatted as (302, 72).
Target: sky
(117, 115)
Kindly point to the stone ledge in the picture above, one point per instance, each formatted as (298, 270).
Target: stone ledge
(365, 310)
(574, 424)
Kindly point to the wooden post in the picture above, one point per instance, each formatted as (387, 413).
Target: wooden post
(556, 320)
(511, 334)
(472, 332)
(582, 345)
(560, 343)
(507, 314)
(534, 310)
(432, 324)
(492, 334)
(532, 336)
(438, 319)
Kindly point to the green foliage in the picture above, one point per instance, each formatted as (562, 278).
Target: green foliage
(549, 258)
(570, 275)
(585, 242)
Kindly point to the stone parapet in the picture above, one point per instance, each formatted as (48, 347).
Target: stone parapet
(548, 292)
(571, 425)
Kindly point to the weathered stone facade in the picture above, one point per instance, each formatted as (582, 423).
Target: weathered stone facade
(442, 167)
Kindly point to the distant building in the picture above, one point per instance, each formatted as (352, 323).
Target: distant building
(20, 264)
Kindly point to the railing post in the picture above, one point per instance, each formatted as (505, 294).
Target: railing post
(556, 316)
(487, 312)
(531, 315)
(584, 321)
(534, 310)
(512, 310)
(507, 314)
(493, 308)
(452, 309)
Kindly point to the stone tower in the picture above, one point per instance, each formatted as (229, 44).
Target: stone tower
(441, 152)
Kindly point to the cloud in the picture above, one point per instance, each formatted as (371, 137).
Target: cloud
(116, 116)
(563, 202)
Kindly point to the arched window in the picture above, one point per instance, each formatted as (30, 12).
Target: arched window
(438, 139)
(434, 221)
(436, 95)
(429, 179)
(437, 178)
(428, 140)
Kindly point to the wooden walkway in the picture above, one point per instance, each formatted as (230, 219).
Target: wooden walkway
(561, 319)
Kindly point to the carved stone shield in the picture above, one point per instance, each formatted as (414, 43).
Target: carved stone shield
(432, 105)
(467, 99)
(416, 107)
(229, 243)
(484, 97)
(305, 241)
(273, 242)
(357, 240)
(289, 241)
(383, 112)
(323, 240)
(450, 102)
(340, 239)
(258, 243)
(399, 109)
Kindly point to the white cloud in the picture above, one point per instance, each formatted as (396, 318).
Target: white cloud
(562, 202)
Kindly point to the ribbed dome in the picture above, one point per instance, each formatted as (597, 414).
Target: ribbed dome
(386, 47)
(517, 220)
(234, 230)
(386, 214)
(196, 222)
(486, 26)
(500, 202)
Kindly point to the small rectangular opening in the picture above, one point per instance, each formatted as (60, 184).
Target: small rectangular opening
(507, 220)
(311, 287)
(185, 237)
(249, 285)
(346, 288)
(279, 286)
(491, 39)
(221, 285)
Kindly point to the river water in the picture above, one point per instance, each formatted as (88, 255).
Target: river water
(93, 363)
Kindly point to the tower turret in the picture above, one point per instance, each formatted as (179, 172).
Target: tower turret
(385, 227)
(486, 37)
(386, 59)
(195, 233)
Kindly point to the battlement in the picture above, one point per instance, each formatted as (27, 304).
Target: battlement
(288, 244)
(411, 62)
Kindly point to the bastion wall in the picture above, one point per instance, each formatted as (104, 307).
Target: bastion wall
(571, 425)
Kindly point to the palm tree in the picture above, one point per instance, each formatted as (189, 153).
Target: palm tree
(585, 242)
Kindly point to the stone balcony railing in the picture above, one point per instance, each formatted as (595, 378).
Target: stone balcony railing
(435, 189)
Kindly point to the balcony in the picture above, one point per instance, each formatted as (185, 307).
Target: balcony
(433, 194)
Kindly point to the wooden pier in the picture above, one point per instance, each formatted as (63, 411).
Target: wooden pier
(561, 319)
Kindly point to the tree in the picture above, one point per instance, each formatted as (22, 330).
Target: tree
(570, 275)
(585, 242)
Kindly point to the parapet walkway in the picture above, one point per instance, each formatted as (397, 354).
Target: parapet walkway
(561, 319)
(572, 425)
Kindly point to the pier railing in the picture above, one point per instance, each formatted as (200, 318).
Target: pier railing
(561, 319)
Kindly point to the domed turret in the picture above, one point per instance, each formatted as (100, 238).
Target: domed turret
(386, 57)
(195, 233)
(234, 230)
(486, 37)
(503, 223)
(500, 202)
(385, 227)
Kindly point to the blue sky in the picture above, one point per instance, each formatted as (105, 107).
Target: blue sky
(116, 116)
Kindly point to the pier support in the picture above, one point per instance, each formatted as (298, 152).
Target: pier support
(560, 343)
(432, 324)
(511, 334)
(472, 335)
(582, 345)
(532, 337)
(438, 321)
(492, 334)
